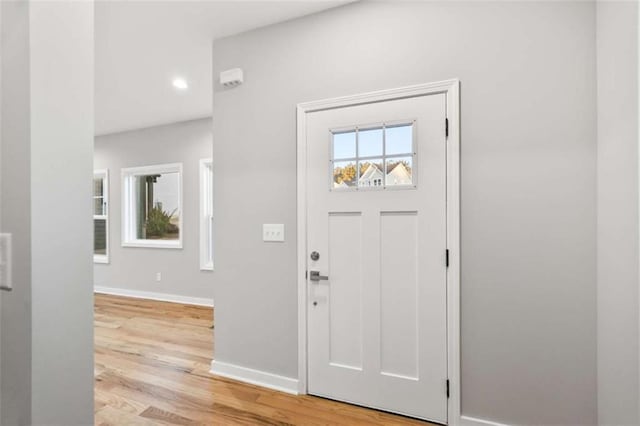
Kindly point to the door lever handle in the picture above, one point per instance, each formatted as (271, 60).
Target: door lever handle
(315, 276)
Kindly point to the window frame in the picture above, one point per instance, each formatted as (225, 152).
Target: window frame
(383, 156)
(128, 206)
(104, 174)
(206, 215)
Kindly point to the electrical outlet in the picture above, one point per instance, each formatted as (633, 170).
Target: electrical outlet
(158, 276)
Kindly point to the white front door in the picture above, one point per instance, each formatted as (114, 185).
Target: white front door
(376, 239)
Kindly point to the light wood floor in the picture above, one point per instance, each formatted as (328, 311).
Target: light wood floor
(152, 363)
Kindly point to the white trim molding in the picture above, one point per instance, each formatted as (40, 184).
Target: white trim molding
(255, 377)
(451, 90)
(162, 297)
(472, 421)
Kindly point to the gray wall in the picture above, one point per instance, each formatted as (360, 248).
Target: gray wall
(15, 190)
(47, 140)
(134, 268)
(61, 59)
(617, 53)
(528, 185)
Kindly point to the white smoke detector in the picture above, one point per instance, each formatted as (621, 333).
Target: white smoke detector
(232, 77)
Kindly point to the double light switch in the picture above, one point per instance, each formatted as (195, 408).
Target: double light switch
(273, 232)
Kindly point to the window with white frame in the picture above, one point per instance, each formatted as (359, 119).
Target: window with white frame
(152, 206)
(206, 214)
(101, 216)
(380, 156)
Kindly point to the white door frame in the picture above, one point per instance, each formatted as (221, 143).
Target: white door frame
(451, 89)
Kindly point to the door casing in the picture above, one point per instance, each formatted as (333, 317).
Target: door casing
(451, 89)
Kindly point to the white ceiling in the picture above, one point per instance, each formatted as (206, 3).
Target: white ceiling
(142, 45)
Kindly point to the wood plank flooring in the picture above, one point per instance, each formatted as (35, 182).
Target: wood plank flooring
(152, 363)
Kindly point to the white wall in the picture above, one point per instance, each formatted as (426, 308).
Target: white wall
(528, 185)
(617, 53)
(47, 140)
(135, 268)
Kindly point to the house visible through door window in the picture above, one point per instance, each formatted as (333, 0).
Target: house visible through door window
(152, 210)
(101, 216)
(206, 214)
(373, 157)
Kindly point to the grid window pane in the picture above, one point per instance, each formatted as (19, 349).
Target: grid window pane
(344, 145)
(99, 207)
(99, 202)
(344, 174)
(371, 173)
(399, 171)
(370, 143)
(98, 186)
(100, 237)
(399, 140)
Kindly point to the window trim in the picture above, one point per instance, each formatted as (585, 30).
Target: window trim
(128, 203)
(206, 194)
(104, 173)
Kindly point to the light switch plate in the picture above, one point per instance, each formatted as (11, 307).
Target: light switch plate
(273, 232)
(5, 262)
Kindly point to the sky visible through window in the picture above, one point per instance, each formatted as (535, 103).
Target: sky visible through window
(398, 141)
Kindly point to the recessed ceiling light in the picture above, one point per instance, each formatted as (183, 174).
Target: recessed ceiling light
(180, 83)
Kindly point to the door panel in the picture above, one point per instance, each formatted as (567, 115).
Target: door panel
(345, 319)
(376, 214)
(399, 288)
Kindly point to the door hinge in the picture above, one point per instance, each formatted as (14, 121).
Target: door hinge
(446, 257)
(447, 388)
(446, 127)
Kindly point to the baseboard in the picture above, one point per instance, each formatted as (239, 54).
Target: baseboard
(255, 377)
(472, 421)
(164, 297)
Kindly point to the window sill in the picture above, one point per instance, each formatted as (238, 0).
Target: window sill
(100, 259)
(153, 244)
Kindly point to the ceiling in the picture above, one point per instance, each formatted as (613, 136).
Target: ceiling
(141, 46)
